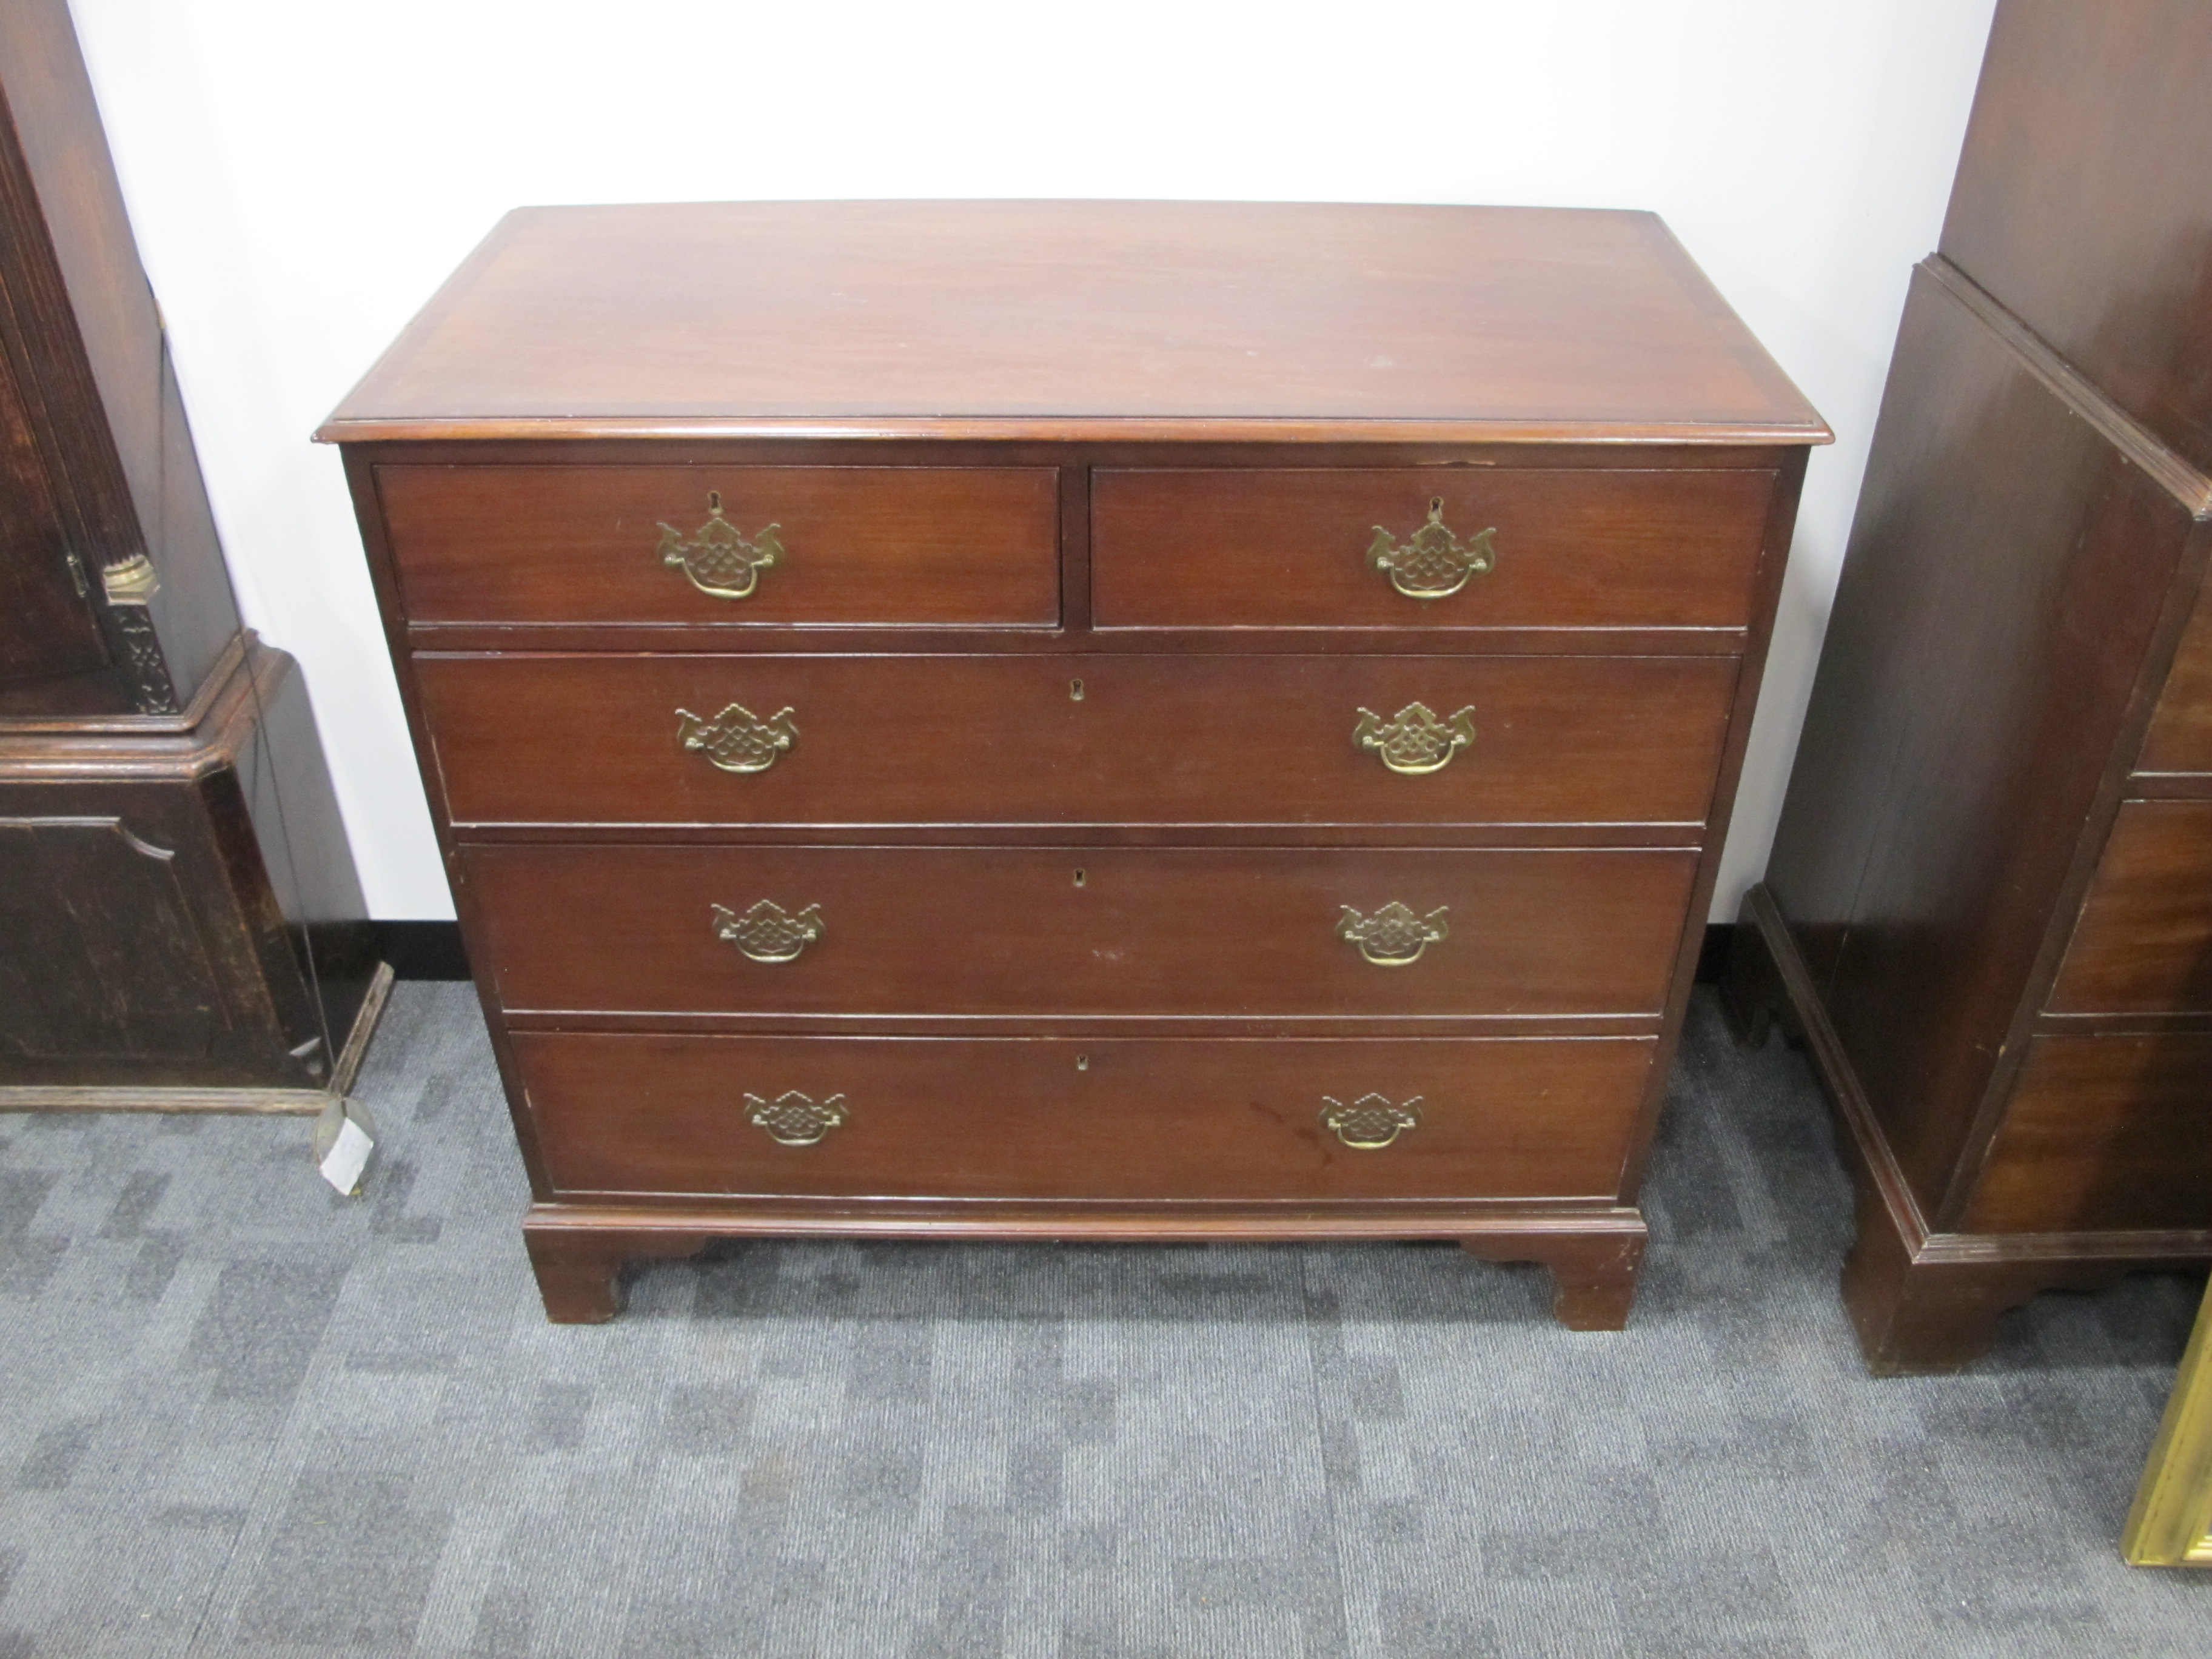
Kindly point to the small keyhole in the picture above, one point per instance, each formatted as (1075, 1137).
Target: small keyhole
(1080, 878)
(1075, 690)
(1082, 1063)
(713, 501)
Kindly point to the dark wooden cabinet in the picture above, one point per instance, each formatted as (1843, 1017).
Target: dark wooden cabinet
(1986, 904)
(180, 926)
(1078, 720)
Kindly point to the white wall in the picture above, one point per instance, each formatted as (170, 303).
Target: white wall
(302, 174)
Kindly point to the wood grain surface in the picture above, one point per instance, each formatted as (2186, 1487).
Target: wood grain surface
(978, 1118)
(1575, 548)
(2179, 741)
(2007, 571)
(1002, 740)
(1080, 318)
(1089, 488)
(2103, 1132)
(2080, 202)
(930, 546)
(2143, 943)
(1012, 931)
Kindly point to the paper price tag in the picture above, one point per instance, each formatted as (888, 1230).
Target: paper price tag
(344, 1140)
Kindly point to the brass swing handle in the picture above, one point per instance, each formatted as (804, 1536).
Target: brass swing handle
(768, 932)
(1432, 563)
(792, 1119)
(720, 562)
(737, 740)
(1414, 740)
(1394, 937)
(1371, 1123)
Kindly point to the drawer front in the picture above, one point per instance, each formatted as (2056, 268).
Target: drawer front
(2180, 735)
(1008, 740)
(1130, 1120)
(853, 545)
(1327, 549)
(2143, 943)
(2102, 1133)
(1169, 932)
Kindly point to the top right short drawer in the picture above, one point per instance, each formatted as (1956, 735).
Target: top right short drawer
(1427, 547)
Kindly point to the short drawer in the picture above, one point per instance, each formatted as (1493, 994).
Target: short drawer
(1122, 1119)
(940, 546)
(1519, 548)
(1176, 932)
(1043, 741)
(2143, 943)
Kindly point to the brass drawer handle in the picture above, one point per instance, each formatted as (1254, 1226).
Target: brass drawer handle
(1431, 562)
(720, 562)
(769, 933)
(793, 1118)
(1393, 936)
(1371, 1123)
(734, 740)
(1414, 740)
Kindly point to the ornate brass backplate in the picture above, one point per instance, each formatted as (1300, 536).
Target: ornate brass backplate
(1414, 740)
(793, 1118)
(720, 562)
(1431, 562)
(768, 932)
(1371, 1123)
(1393, 936)
(734, 740)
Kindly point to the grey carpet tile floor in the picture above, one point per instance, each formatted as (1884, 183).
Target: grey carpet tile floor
(240, 1415)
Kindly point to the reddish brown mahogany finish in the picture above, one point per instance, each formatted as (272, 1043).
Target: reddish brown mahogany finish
(1574, 548)
(1006, 740)
(2180, 735)
(938, 546)
(1104, 1120)
(1010, 932)
(2143, 945)
(2104, 1132)
(1087, 491)
(1188, 321)
(1984, 907)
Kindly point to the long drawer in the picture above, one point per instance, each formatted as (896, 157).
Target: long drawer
(2180, 735)
(933, 546)
(1427, 547)
(1057, 932)
(2104, 1132)
(1191, 1119)
(2143, 942)
(1097, 738)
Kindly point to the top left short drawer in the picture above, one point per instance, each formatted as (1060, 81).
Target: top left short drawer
(731, 545)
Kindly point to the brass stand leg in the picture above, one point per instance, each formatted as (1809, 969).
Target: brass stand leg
(1593, 1275)
(579, 1269)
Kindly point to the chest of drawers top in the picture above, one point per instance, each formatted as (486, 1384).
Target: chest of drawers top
(1078, 321)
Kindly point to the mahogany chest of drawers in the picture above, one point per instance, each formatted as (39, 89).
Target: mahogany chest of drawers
(1080, 719)
(1989, 910)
